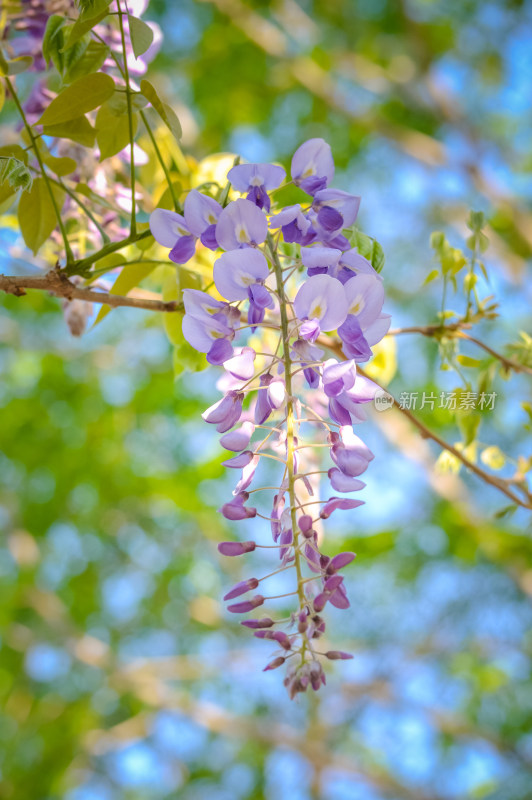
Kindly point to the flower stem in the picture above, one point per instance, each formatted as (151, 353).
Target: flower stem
(133, 229)
(158, 153)
(33, 140)
(290, 445)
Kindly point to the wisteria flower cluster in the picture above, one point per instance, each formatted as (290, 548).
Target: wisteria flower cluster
(293, 274)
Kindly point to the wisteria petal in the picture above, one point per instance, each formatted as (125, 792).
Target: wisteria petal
(183, 250)
(365, 296)
(242, 176)
(343, 483)
(344, 203)
(238, 439)
(235, 271)
(241, 224)
(358, 264)
(313, 159)
(201, 211)
(167, 226)
(241, 365)
(378, 329)
(338, 502)
(316, 257)
(322, 297)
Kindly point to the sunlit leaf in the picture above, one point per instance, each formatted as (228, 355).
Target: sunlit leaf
(78, 130)
(92, 14)
(168, 116)
(141, 35)
(85, 94)
(15, 173)
(129, 278)
(112, 131)
(36, 213)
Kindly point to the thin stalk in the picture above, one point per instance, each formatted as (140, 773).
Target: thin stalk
(290, 435)
(133, 228)
(29, 131)
(160, 159)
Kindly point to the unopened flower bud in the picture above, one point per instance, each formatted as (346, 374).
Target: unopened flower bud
(337, 655)
(277, 662)
(241, 588)
(247, 605)
(235, 548)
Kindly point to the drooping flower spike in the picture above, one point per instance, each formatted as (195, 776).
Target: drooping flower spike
(295, 288)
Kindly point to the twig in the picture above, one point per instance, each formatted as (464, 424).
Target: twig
(33, 140)
(133, 229)
(58, 284)
(498, 483)
(455, 329)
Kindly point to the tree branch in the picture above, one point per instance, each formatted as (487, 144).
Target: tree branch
(497, 483)
(455, 330)
(58, 284)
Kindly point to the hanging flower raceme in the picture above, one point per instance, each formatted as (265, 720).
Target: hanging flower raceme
(292, 278)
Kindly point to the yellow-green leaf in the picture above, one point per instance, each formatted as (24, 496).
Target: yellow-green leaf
(168, 115)
(112, 131)
(19, 64)
(129, 278)
(493, 457)
(2, 95)
(36, 214)
(91, 16)
(85, 94)
(171, 291)
(435, 273)
(91, 61)
(466, 361)
(78, 130)
(141, 35)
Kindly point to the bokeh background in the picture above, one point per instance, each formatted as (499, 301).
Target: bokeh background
(121, 675)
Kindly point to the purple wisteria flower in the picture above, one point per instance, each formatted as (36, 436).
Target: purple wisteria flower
(240, 275)
(321, 305)
(256, 180)
(241, 224)
(312, 166)
(301, 282)
(181, 232)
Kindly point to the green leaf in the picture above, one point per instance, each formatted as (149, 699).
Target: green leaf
(112, 131)
(171, 291)
(118, 102)
(83, 95)
(61, 166)
(129, 278)
(91, 61)
(36, 214)
(377, 256)
(369, 248)
(7, 192)
(92, 14)
(15, 172)
(507, 511)
(2, 94)
(19, 64)
(92, 8)
(435, 273)
(466, 361)
(168, 116)
(78, 130)
(141, 35)
(53, 41)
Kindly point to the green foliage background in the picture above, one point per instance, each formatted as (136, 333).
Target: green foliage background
(120, 674)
